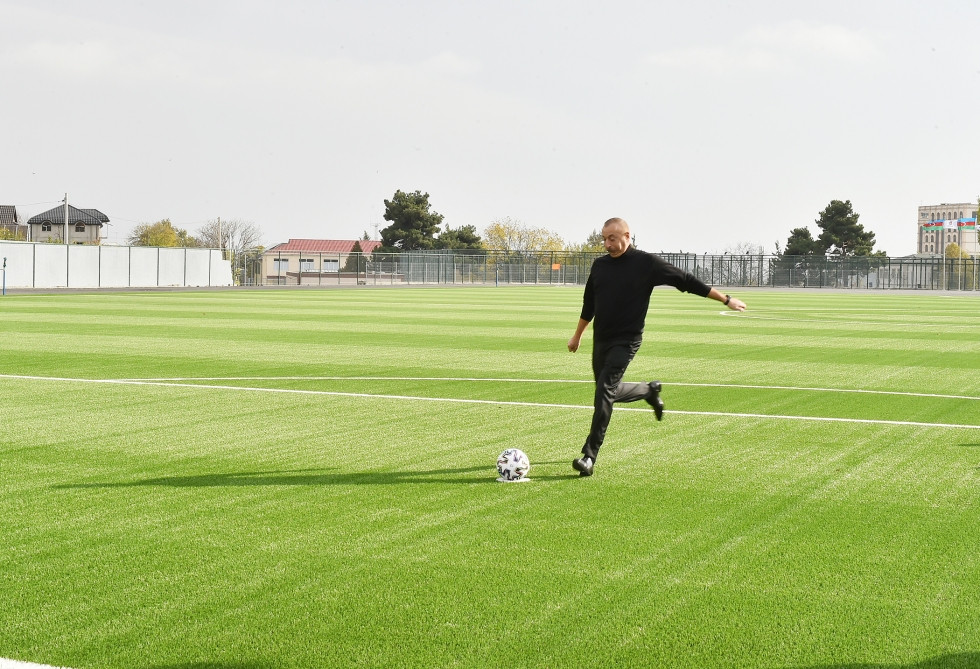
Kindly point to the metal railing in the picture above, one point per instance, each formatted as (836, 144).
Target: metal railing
(558, 268)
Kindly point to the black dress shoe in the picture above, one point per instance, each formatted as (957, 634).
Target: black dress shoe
(653, 398)
(583, 466)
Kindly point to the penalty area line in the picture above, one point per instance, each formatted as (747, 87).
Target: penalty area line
(459, 400)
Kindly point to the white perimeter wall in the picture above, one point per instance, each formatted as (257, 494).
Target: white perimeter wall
(31, 265)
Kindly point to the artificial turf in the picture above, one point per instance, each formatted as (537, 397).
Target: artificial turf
(307, 480)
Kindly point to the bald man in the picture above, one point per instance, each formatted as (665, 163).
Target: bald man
(617, 296)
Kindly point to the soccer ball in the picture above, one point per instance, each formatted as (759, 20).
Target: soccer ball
(513, 465)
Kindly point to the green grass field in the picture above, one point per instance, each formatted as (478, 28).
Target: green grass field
(305, 478)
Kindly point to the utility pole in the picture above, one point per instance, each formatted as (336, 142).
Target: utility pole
(219, 238)
(66, 218)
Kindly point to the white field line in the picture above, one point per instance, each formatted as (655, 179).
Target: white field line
(456, 400)
(515, 380)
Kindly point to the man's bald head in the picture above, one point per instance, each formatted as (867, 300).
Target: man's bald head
(616, 236)
(616, 221)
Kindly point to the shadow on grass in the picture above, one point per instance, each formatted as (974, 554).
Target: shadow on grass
(313, 477)
(950, 661)
(211, 665)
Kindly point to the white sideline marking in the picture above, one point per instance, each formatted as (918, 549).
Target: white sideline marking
(457, 400)
(514, 380)
(16, 664)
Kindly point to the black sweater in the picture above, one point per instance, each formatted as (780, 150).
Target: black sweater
(617, 293)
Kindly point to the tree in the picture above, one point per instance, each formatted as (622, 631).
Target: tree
(185, 239)
(161, 233)
(507, 234)
(960, 267)
(954, 251)
(235, 236)
(802, 253)
(462, 238)
(802, 243)
(592, 244)
(356, 262)
(841, 233)
(13, 236)
(745, 249)
(413, 226)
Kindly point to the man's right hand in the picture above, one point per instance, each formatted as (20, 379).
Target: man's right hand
(577, 337)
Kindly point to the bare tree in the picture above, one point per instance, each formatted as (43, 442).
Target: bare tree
(745, 249)
(235, 236)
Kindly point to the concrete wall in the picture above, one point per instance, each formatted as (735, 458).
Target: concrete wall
(32, 265)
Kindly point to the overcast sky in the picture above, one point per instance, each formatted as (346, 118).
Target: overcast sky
(708, 125)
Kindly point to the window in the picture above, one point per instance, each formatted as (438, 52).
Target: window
(79, 227)
(331, 265)
(46, 226)
(280, 265)
(306, 264)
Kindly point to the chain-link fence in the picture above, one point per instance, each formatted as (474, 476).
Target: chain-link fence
(556, 268)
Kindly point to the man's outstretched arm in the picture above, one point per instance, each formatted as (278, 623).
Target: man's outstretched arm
(732, 303)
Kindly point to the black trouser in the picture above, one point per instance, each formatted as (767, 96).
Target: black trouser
(609, 363)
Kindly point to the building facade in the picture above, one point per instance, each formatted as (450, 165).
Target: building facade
(940, 225)
(84, 226)
(307, 261)
(10, 225)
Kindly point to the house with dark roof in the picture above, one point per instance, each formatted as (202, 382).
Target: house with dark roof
(10, 225)
(84, 225)
(312, 261)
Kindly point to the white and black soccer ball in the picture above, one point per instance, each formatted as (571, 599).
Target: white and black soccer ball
(513, 465)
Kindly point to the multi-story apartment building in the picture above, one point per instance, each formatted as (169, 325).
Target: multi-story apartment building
(942, 224)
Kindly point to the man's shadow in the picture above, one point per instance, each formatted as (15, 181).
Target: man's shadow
(316, 477)
(969, 660)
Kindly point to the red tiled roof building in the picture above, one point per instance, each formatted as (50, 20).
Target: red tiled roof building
(324, 246)
(315, 261)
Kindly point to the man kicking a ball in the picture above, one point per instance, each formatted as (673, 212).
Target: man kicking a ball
(617, 295)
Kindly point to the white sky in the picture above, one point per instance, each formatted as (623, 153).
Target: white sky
(706, 124)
